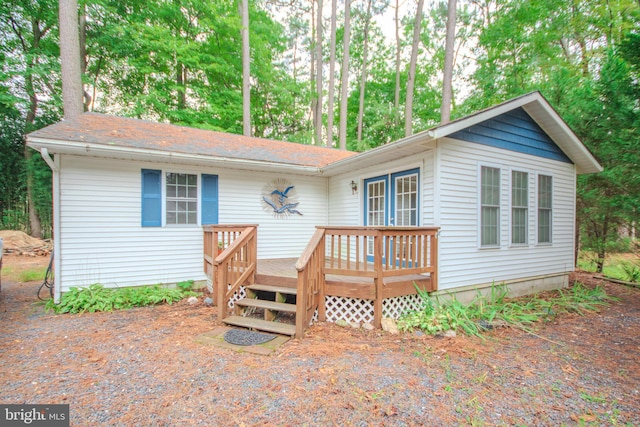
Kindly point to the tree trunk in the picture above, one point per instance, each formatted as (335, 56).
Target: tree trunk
(82, 22)
(312, 55)
(34, 220)
(318, 111)
(182, 86)
(72, 93)
(363, 74)
(332, 71)
(344, 85)
(447, 75)
(411, 78)
(396, 103)
(246, 70)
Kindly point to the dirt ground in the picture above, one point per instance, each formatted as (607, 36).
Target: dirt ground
(143, 367)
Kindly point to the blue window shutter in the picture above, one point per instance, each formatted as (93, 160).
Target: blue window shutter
(151, 198)
(209, 199)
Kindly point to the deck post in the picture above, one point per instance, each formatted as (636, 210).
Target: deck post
(378, 281)
(220, 291)
(434, 261)
(322, 309)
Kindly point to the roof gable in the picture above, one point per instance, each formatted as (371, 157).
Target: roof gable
(514, 130)
(554, 132)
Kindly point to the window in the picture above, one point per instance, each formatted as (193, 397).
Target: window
(545, 191)
(180, 199)
(519, 207)
(489, 206)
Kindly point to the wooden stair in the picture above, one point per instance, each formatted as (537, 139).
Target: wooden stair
(272, 300)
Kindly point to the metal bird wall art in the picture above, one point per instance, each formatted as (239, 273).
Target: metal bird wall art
(279, 198)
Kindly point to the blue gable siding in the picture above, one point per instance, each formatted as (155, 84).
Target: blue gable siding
(515, 131)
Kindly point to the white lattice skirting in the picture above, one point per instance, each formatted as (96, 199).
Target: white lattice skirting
(396, 307)
(361, 310)
(348, 309)
(237, 296)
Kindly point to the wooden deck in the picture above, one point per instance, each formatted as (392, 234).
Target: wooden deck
(282, 272)
(365, 263)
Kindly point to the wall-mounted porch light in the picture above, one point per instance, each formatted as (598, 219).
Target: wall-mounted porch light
(354, 187)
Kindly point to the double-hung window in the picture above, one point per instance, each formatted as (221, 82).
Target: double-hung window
(182, 198)
(172, 198)
(545, 191)
(489, 206)
(519, 207)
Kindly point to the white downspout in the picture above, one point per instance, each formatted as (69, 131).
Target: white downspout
(55, 168)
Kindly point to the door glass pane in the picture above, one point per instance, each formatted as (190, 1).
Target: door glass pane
(406, 200)
(376, 193)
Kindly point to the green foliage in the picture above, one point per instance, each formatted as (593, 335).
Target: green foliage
(631, 272)
(32, 275)
(496, 309)
(185, 286)
(98, 298)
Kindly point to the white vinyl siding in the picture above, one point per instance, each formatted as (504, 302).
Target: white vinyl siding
(490, 206)
(102, 240)
(545, 208)
(519, 207)
(461, 260)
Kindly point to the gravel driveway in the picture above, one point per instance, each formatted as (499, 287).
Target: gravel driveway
(143, 367)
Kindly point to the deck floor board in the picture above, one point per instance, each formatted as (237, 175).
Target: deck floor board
(286, 267)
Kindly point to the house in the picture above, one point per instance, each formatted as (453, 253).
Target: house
(494, 193)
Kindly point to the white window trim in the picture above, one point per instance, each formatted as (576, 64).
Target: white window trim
(529, 223)
(536, 203)
(479, 207)
(198, 175)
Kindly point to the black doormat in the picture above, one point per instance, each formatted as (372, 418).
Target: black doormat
(244, 337)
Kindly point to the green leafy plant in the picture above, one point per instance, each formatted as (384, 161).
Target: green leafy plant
(631, 272)
(186, 285)
(98, 298)
(495, 309)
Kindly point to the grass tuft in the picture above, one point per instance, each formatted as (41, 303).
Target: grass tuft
(32, 275)
(495, 309)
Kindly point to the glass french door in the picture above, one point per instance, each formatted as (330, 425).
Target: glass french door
(391, 200)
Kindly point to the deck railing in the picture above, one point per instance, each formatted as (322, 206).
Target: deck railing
(376, 253)
(310, 288)
(230, 258)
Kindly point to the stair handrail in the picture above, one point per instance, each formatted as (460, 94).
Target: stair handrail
(310, 286)
(235, 266)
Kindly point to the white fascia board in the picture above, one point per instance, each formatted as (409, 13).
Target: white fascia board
(118, 152)
(376, 155)
(537, 107)
(567, 140)
(474, 119)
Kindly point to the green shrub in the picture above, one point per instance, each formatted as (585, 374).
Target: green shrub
(496, 309)
(631, 272)
(98, 298)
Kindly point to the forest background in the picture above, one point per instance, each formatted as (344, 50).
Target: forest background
(344, 80)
